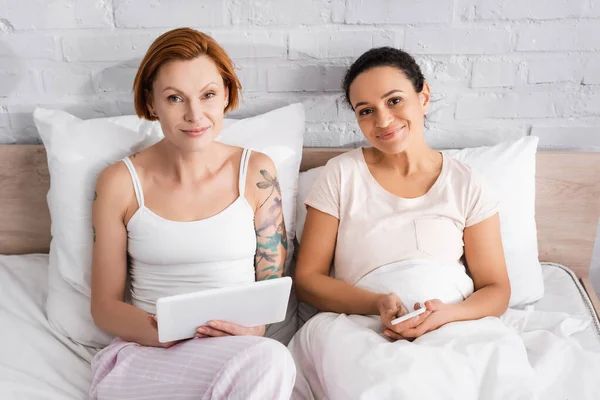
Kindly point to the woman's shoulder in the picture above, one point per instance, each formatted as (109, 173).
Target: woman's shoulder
(260, 162)
(346, 161)
(119, 170)
(261, 173)
(339, 169)
(457, 166)
(114, 175)
(459, 170)
(114, 185)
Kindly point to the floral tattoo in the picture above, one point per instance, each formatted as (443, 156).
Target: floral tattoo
(271, 234)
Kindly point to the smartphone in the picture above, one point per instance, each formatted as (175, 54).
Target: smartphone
(409, 315)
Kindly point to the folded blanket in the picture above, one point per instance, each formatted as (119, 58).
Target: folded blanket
(420, 280)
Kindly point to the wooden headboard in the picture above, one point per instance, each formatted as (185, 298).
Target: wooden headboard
(567, 202)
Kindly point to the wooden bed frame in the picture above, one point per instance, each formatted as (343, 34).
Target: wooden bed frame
(567, 204)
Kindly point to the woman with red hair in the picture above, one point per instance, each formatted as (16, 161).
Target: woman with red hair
(186, 214)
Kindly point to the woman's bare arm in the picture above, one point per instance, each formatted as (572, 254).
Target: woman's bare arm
(271, 237)
(485, 258)
(313, 283)
(264, 193)
(109, 261)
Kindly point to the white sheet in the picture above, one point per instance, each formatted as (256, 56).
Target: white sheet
(564, 293)
(36, 362)
(529, 355)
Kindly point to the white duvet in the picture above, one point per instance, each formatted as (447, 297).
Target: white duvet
(524, 355)
(36, 361)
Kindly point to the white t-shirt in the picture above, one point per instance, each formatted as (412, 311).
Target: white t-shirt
(377, 227)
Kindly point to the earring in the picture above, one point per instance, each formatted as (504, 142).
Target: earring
(227, 103)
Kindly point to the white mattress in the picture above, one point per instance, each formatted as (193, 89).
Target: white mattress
(36, 362)
(564, 292)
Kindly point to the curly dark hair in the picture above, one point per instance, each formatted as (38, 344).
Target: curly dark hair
(384, 57)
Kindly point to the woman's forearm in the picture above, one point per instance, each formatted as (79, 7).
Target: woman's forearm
(330, 294)
(128, 322)
(490, 300)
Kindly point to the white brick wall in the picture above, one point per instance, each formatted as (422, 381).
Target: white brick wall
(304, 78)
(20, 82)
(557, 138)
(29, 46)
(461, 40)
(496, 73)
(398, 11)
(90, 46)
(555, 69)
(165, 13)
(499, 69)
(57, 14)
(328, 43)
(529, 9)
(591, 74)
(279, 12)
(4, 122)
(559, 36)
(253, 44)
(114, 79)
(68, 80)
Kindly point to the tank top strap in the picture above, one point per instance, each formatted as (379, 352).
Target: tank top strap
(244, 170)
(137, 185)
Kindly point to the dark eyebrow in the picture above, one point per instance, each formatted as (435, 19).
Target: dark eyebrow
(363, 103)
(391, 92)
(177, 90)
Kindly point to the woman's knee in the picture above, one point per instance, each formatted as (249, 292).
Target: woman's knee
(275, 356)
(265, 369)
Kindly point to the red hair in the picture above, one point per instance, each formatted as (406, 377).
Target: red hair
(181, 44)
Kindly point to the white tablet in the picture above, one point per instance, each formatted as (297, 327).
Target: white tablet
(252, 304)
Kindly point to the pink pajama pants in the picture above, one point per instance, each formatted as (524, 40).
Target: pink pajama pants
(242, 367)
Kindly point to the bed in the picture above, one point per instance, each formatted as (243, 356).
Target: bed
(36, 362)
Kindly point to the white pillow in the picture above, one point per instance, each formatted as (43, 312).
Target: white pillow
(79, 150)
(279, 134)
(509, 168)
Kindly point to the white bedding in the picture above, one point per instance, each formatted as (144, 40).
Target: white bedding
(526, 354)
(36, 362)
(564, 292)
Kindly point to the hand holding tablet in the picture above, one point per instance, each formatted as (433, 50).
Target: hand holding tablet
(252, 304)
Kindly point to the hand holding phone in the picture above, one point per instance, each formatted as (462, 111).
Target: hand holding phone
(409, 315)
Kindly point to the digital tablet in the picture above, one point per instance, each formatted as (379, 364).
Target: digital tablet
(252, 304)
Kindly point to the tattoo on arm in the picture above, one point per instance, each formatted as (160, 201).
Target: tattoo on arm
(94, 233)
(271, 237)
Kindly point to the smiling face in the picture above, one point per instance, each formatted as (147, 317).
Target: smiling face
(189, 99)
(390, 113)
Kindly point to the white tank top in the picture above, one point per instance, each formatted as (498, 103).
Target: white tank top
(172, 257)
